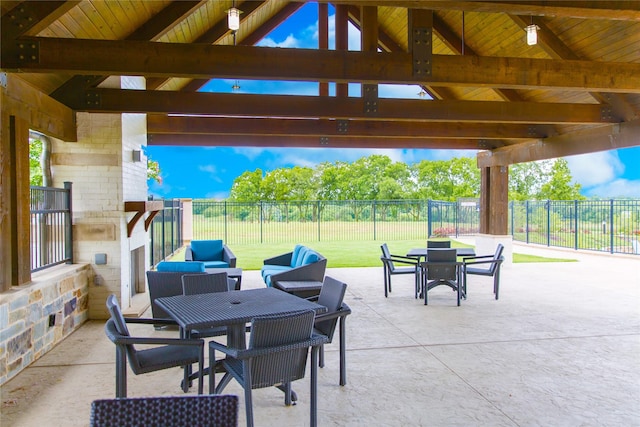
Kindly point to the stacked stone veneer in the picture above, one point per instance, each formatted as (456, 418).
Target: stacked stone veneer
(36, 317)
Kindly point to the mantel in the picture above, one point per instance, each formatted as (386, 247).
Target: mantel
(140, 207)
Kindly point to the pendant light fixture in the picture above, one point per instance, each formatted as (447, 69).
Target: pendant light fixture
(233, 18)
(532, 33)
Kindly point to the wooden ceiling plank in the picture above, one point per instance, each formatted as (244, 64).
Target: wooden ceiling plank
(249, 105)
(311, 141)
(163, 124)
(30, 17)
(606, 10)
(207, 61)
(165, 20)
(603, 138)
(557, 49)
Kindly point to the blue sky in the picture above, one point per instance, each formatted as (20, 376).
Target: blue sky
(208, 172)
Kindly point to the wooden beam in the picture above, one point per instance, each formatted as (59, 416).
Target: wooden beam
(581, 142)
(628, 10)
(249, 105)
(30, 17)
(40, 111)
(163, 124)
(239, 62)
(312, 141)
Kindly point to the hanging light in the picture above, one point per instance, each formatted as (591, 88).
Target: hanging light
(532, 33)
(233, 20)
(422, 93)
(236, 86)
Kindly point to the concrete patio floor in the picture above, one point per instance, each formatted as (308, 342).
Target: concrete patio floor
(561, 347)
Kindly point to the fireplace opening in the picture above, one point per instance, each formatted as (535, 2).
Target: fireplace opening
(137, 271)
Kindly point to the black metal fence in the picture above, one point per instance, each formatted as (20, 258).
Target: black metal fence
(271, 222)
(165, 231)
(600, 225)
(51, 231)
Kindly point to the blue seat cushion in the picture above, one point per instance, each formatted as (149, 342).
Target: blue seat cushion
(215, 264)
(297, 254)
(310, 257)
(182, 266)
(206, 250)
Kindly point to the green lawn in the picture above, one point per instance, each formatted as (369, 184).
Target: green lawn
(344, 254)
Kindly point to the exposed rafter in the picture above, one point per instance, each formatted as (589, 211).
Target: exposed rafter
(164, 124)
(580, 142)
(207, 61)
(246, 105)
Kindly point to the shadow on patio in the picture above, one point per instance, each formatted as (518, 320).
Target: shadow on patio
(560, 347)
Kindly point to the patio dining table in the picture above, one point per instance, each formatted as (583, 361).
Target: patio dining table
(422, 252)
(233, 309)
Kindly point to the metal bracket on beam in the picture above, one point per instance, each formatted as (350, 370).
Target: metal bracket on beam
(3, 80)
(484, 144)
(324, 140)
(422, 52)
(92, 98)
(20, 18)
(370, 96)
(606, 113)
(343, 126)
(28, 52)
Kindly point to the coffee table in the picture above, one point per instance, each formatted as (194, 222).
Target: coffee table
(300, 288)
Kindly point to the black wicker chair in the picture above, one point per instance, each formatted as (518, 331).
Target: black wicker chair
(489, 266)
(171, 411)
(438, 244)
(168, 353)
(331, 296)
(276, 355)
(193, 284)
(389, 262)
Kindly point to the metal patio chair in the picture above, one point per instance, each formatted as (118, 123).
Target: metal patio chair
(168, 353)
(489, 265)
(410, 266)
(276, 355)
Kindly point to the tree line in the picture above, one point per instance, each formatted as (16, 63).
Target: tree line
(377, 177)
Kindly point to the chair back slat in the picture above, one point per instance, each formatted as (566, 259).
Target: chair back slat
(331, 296)
(273, 331)
(441, 244)
(193, 284)
(441, 271)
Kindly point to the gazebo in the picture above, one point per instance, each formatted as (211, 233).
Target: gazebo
(100, 80)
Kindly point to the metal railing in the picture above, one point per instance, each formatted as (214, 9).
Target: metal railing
(601, 225)
(51, 231)
(165, 231)
(272, 222)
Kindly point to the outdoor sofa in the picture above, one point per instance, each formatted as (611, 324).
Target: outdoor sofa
(301, 264)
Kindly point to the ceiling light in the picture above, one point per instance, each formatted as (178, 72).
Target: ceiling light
(422, 93)
(236, 86)
(532, 34)
(233, 19)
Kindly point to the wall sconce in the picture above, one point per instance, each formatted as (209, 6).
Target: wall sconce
(233, 20)
(136, 156)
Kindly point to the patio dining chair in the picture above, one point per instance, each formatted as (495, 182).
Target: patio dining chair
(391, 267)
(332, 296)
(441, 269)
(484, 265)
(167, 353)
(167, 411)
(276, 355)
(435, 244)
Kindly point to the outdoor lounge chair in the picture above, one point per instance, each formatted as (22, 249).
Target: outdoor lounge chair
(331, 296)
(389, 262)
(214, 254)
(168, 353)
(489, 265)
(276, 355)
(441, 269)
(167, 411)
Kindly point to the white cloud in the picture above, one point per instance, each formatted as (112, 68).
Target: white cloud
(212, 170)
(616, 188)
(250, 153)
(289, 42)
(219, 195)
(595, 169)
